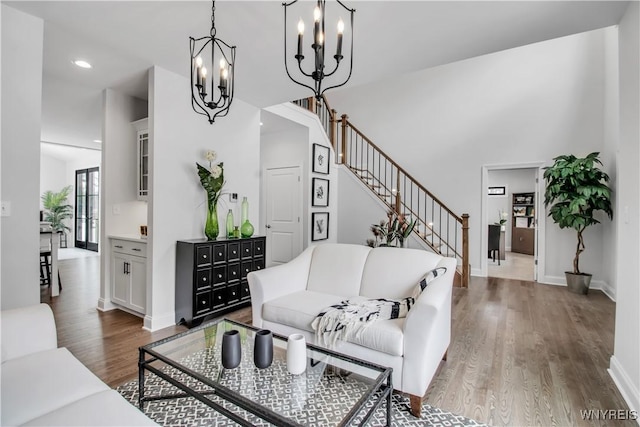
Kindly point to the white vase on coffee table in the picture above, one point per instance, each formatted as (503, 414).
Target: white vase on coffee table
(296, 354)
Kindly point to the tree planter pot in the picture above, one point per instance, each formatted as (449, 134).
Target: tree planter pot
(578, 283)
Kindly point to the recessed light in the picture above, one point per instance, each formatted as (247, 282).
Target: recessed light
(99, 141)
(82, 64)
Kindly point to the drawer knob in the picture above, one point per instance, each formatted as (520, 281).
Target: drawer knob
(258, 267)
(137, 249)
(233, 293)
(234, 273)
(246, 270)
(204, 279)
(219, 276)
(235, 252)
(118, 246)
(204, 256)
(219, 253)
(219, 297)
(204, 303)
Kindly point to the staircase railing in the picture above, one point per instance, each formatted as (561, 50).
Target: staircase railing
(436, 225)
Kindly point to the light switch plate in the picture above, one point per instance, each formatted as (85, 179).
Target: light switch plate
(233, 197)
(5, 207)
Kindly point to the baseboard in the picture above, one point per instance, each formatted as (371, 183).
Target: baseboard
(477, 272)
(628, 390)
(600, 285)
(154, 323)
(104, 305)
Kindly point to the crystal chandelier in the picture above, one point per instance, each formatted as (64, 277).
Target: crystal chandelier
(208, 98)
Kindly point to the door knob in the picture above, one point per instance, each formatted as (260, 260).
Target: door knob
(268, 226)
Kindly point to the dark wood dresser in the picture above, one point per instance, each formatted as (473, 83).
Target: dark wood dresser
(211, 276)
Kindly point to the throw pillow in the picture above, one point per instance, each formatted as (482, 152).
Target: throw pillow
(426, 279)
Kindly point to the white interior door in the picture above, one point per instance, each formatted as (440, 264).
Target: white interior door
(283, 214)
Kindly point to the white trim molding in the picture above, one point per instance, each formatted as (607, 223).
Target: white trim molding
(600, 285)
(629, 392)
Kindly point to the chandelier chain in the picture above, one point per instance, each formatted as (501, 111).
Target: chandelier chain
(213, 19)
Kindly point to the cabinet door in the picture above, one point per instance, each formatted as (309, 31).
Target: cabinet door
(119, 279)
(138, 283)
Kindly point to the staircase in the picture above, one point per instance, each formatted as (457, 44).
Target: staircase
(437, 227)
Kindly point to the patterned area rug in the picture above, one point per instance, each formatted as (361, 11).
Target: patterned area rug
(191, 412)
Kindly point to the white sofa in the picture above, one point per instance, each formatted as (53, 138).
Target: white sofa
(47, 386)
(287, 298)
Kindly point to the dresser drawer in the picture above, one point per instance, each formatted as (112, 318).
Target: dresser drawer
(233, 251)
(202, 303)
(129, 248)
(233, 271)
(246, 250)
(219, 253)
(203, 278)
(203, 255)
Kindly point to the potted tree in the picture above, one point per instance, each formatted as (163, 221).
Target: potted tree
(57, 209)
(576, 188)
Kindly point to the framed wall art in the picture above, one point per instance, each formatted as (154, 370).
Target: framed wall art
(320, 192)
(320, 159)
(497, 191)
(319, 226)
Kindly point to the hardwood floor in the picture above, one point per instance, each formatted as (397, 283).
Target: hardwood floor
(521, 353)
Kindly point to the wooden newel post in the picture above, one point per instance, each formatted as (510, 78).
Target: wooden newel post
(333, 133)
(343, 150)
(465, 251)
(312, 104)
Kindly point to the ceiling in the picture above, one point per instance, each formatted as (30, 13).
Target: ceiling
(123, 39)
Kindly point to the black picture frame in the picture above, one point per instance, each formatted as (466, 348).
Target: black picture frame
(319, 226)
(321, 158)
(497, 191)
(320, 192)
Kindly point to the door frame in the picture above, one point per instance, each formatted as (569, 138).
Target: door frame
(301, 203)
(539, 239)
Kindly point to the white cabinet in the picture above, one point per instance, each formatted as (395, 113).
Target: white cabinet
(142, 139)
(129, 274)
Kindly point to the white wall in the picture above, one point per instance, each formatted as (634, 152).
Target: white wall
(522, 105)
(516, 181)
(625, 366)
(20, 145)
(177, 208)
(118, 178)
(316, 135)
(53, 176)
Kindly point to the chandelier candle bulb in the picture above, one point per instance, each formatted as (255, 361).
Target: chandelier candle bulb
(203, 91)
(316, 25)
(340, 31)
(198, 67)
(300, 34)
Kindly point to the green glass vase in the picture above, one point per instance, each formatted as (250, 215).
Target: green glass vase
(247, 229)
(211, 228)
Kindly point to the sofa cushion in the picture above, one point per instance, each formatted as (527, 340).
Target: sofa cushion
(337, 269)
(299, 309)
(105, 408)
(38, 383)
(392, 273)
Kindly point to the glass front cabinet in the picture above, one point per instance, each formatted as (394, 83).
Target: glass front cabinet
(142, 138)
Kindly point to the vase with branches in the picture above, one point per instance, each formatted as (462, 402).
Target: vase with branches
(212, 180)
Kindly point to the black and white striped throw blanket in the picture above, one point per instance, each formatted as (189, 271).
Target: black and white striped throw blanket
(348, 319)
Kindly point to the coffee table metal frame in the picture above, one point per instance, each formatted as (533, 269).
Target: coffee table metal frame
(381, 389)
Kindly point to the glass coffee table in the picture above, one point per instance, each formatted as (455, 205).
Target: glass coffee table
(335, 389)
